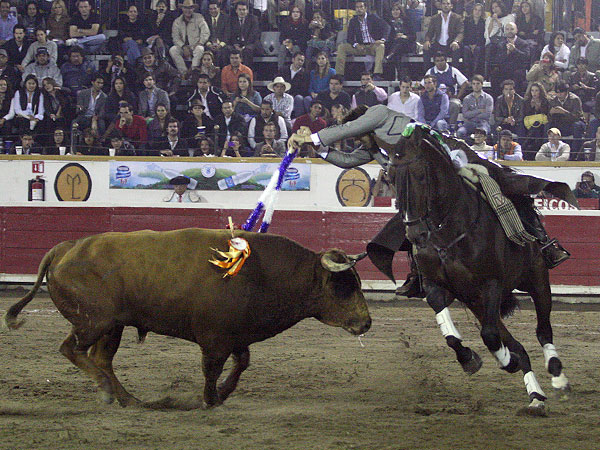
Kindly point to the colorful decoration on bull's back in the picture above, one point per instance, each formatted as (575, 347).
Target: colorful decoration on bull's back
(267, 199)
(234, 259)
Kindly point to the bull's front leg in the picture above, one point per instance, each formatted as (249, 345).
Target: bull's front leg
(212, 367)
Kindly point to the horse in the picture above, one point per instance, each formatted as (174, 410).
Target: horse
(462, 252)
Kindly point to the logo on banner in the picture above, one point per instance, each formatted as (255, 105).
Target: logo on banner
(73, 183)
(353, 187)
(123, 174)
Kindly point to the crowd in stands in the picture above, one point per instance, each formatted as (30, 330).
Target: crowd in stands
(181, 78)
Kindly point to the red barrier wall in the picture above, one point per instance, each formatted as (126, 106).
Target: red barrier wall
(28, 232)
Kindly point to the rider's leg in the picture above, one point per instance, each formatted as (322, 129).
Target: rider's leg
(413, 286)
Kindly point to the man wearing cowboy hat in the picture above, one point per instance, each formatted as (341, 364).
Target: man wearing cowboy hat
(283, 103)
(190, 32)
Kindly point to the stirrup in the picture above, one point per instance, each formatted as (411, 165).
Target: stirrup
(549, 253)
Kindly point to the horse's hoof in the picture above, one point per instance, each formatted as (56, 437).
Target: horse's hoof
(563, 393)
(536, 408)
(106, 397)
(473, 365)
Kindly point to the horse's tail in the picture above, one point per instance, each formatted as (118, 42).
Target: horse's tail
(10, 318)
(508, 305)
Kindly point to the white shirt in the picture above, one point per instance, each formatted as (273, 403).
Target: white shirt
(443, 40)
(561, 58)
(407, 107)
(583, 50)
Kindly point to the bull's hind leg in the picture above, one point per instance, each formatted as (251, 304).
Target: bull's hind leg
(439, 299)
(102, 353)
(241, 361)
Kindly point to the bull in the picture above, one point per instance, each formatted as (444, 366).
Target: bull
(162, 282)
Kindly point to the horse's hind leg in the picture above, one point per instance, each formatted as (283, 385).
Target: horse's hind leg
(439, 299)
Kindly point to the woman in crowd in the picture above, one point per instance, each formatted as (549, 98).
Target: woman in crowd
(235, 147)
(41, 40)
(535, 111)
(557, 47)
(6, 96)
(531, 28)
(119, 92)
(90, 145)
(207, 147)
(58, 22)
(246, 101)
(474, 41)
(196, 125)
(293, 36)
(133, 33)
(321, 37)
(207, 66)
(161, 22)
(157, 127)
(494, 24)
(59, 139)
(32, 20)
(402, 37)
(28, 105)
(58, 112)
(319, 78)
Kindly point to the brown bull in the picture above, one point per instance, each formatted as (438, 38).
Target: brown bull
(162, 282)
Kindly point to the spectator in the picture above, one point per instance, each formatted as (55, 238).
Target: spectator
(283, 103)
(454, 81)
(133, 33)
(84, 29)
(584, 84)
(495, 23)
(404, 101)
(190, 33)
(28, 143)
(90, 144)
(32, 20)
(90, 106)
(595, 122)
(477, 109)
(293, 36)
(444, 34)
(197, 125)
(180, 193)
(210, 97)
(58, 110)
(131, 126)
(507, 149)
(230, 73)
(508, 109)
(368, 94)
(338, 112)
(312, 120)
(228, 123)
(59, 139)
(173, 144)
(165, 75)
(43, 67)
(7, 22)
(544, 73)
(511, 51)
(474, 41)
(28, 104)
(218, 24)
(335, 94)
(157, 127)
(554, 149)
(256, 125)
(245, 33)
(402, 38)
(586, 46)
(246, 101)
(587, 187)
(433, 105)
(531, 27)
(7, 70)
(207, 66)
(299, 80)
(6, 108)
(77, 71)
(566, 114)
(321, 37)
(121, 145)
(535, 117)
(161, 23)
(41, 42)
(207, 147)
(366, 36)
(58, 22)
(269, 147)
(591, 149)
(234, 146)
(319, 78)
(557, 47)
(480, 145)
(152, 96)
(16, 48)
(119, 92)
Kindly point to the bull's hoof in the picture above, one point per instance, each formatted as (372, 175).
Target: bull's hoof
(211, 406)
(536, 408)
(473, 365)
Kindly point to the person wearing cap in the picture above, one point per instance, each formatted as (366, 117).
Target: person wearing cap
(283, 103)
(180, 192)
(84, 28)
(166, 76)
(507, 149)
(554, 149)
(480, 146)
(8, 70)
(477, 108)
(41, 40)
(586, 46)
(190, 33)
(545, 73)
(566, 114)
(587, 187)
(43, 67)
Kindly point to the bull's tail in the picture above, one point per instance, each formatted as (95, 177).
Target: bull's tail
(10, 318)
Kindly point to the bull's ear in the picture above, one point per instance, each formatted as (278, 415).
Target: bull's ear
(336, 261)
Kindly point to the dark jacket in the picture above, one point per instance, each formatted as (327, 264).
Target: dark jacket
(181, 148)
(12, 74)
(214, 99)
(15, 56)
(378, 29)
(249, 34)
(518, 60)
(237, 124)
(164, 28)
(298, 33)
(501, 111)
(474, 32)
(138, 30)
(299, 83)
(167, 77)
(221, 31)
(455, 28)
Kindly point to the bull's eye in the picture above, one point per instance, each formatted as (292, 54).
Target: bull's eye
(344, 284)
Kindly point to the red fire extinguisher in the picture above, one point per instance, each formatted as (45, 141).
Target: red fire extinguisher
(37, 189)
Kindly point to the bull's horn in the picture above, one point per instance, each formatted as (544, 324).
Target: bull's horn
(328, 263)
(358, 257)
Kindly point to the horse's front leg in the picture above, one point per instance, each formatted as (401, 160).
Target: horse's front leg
(439, 299)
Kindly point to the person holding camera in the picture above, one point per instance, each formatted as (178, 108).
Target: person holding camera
(587, 187)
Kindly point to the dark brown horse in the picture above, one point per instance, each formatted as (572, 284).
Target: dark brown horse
(462, 252)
